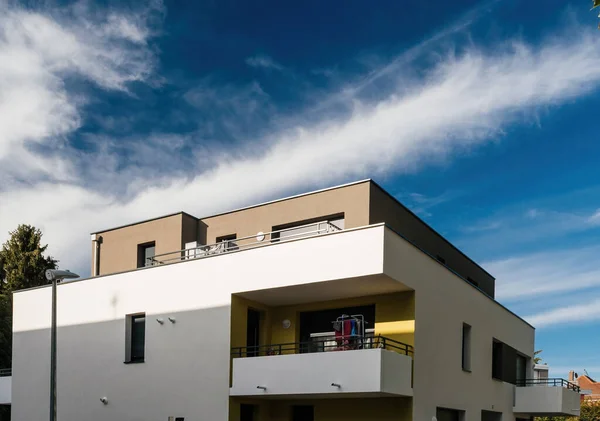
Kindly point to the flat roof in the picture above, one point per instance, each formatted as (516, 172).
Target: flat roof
(239, 209)
(366, 180)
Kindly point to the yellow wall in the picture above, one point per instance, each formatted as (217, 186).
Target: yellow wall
(394, 316)
(239, 321)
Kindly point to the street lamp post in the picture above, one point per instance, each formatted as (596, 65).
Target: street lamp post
(55, 275)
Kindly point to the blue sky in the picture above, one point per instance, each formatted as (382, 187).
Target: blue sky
(480, 116)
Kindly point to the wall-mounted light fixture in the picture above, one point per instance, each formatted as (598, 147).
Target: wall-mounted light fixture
(160, 320)
(172, 319)
(104, 400)
(262, 387)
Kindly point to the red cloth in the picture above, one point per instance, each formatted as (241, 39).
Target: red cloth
(347, 328)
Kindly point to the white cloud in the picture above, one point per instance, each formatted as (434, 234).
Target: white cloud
(595, 218)
(465, 100)
(263, 61)
(38, 54)
(582, 312)
(539, 275)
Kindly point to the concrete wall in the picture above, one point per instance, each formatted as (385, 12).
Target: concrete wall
(443, 302)
(352, 201)
(362, 371)
(119, 248)
(548, 401)
(384, 208)
(186, 372)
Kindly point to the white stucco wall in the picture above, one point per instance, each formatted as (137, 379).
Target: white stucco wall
(186, 372)
(443, 302)
(357, 372)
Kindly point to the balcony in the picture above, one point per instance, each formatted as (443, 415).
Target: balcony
(547, 397)
(5, 386)
(243, 243)
(374, 367)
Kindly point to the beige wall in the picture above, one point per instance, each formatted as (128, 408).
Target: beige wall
(362, 204)
(383, 208)
(119, 248)
(351, 200)
(443, 302)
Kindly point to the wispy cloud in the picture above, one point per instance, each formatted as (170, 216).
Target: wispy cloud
(545, 273)
(582, 312)
(262, 61)
(465, 100)
(421, 204)
(595, 218)
(38, 53)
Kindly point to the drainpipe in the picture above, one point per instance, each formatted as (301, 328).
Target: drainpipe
(96, 241)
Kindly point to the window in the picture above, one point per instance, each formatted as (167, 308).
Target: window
(446, 414)
(247, 412)
(504, 362)
(472, 282)
(146, 253)
(135, 338)
(491, 416)
(303, 413)
(228, 241)
(308, 227)
(521, 369)
(497, 360)
(466, 347)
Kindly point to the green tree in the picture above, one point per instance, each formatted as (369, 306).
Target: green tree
(22, 265)
(536, 358)
(22, 260)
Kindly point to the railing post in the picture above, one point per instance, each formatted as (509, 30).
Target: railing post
(280, 350)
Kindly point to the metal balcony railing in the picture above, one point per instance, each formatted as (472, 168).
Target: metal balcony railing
(5, 372)
(327, 344)
(258, 240)
(552, 382)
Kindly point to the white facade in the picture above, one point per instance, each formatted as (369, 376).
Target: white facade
(187, 363)
(366, 373)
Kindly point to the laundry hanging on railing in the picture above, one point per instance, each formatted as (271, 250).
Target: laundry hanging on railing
(349, 331)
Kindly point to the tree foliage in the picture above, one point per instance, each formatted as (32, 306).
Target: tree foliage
(590, 411)
(22, 265)
(536, 358)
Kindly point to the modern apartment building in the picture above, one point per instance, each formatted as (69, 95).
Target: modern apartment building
(338, 304)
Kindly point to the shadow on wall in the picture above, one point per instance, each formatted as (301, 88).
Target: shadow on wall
(184, 372)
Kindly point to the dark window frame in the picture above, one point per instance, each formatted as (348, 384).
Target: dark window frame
(466, 347)
(132, 354)
(229, 240)
(275, 236)
(141, 253)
